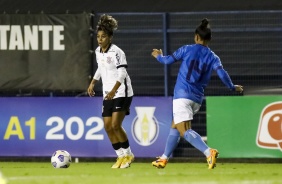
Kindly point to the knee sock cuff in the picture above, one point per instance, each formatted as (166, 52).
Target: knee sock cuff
(189, 134)
(124, 144)
(174, 132)
(116, 146)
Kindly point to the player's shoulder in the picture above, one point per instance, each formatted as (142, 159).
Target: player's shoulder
(98, 49)
(115, 48)
(185, 47)
(214, 55)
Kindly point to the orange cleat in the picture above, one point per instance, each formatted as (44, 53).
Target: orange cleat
(160, 163)
(212, 158)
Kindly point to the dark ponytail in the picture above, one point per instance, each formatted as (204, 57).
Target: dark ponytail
(107, 24)
(203, 30)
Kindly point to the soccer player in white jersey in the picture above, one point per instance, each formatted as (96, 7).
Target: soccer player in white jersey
(117, 89)
(198, 62)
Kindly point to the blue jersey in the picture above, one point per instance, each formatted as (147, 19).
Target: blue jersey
(198, 63)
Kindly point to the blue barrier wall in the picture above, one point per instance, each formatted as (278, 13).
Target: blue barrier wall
(39, 126)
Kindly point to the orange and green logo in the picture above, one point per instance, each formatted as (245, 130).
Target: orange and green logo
(269, 133)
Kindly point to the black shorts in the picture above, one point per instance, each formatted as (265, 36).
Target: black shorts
(116, 105)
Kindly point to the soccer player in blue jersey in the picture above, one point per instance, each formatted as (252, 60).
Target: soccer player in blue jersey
(198, 63)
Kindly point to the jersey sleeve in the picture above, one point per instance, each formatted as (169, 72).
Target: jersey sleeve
(97, 74)
(176, 56)
(121, 74)
(217, 63)
(181, 52)
(223, 75)
(120, 58)
(121, 65)
(166, 59)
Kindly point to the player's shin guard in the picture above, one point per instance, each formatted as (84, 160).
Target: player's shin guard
(195, 140)
(171, 142)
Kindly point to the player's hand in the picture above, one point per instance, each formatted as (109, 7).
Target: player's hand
(157, 52)
(90, 90)
(110, 95)
(238, 88)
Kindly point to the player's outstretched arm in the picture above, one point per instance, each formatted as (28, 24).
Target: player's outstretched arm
(223, 75)
(158, 54)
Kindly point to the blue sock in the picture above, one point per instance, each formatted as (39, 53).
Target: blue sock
(171, 142)
(195, 140)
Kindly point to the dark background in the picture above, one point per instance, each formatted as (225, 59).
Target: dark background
(60, 6)
(254, 47)
(253, 58)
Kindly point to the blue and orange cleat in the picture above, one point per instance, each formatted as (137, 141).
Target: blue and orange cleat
(160, 163)
(212, 158)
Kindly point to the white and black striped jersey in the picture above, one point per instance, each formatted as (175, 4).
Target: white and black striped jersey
(112, 66)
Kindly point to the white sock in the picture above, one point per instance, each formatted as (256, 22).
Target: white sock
(127, 151)
(163, 157)
(207, 152)
(119, 152)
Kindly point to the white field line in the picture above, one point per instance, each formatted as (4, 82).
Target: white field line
(215, 182)
(190, 182)
(35, 177)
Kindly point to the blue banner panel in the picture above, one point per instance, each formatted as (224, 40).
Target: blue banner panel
(38, 126)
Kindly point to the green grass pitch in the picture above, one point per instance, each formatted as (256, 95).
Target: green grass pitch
(141, 173)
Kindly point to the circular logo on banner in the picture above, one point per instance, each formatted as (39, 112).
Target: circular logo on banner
(145, 127)
(269, 134)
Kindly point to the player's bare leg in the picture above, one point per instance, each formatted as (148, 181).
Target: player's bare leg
(117, 120)
(115, 142)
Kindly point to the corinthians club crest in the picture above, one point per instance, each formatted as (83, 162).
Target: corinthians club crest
(145, 127)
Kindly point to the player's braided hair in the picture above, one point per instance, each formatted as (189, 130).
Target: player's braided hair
(203, 30)
(107, 24)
